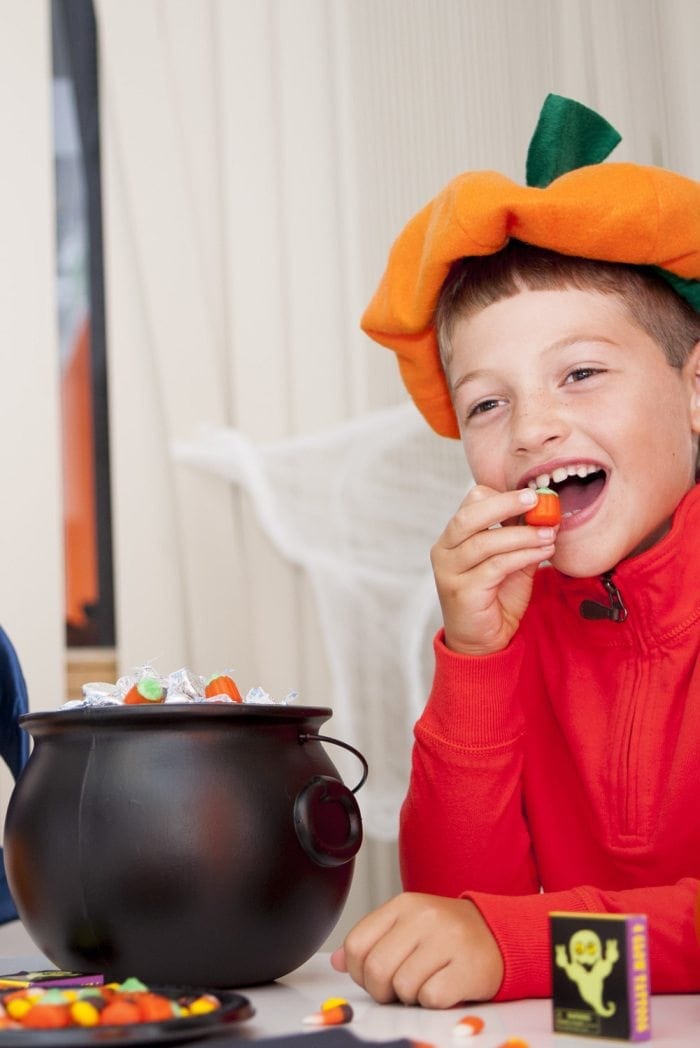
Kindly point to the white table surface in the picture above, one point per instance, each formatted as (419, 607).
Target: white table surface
(281, 1007)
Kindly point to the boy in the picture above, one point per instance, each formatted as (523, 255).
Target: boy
(556, 763)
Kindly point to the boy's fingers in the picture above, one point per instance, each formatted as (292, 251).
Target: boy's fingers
(445, 988)
(399, 962)
(417, 971)
(338, 960)
(491, 573)
(479, 512)
(382, 963)
(479, 492)
(489, 545)
(363, 938)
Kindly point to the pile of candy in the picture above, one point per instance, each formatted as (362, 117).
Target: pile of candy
(146, 687)
(115, 1004)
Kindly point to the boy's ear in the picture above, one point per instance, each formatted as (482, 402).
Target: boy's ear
(693, 366)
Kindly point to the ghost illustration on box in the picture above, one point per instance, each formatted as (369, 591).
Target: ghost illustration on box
(588, 968)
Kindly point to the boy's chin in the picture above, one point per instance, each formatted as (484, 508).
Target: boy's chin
(581, 565)
(583, 559)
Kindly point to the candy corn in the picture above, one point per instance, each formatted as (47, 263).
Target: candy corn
(334, 1012)
(468, 1026)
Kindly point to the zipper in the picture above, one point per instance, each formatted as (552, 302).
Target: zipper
(615, 610)
(625, 804)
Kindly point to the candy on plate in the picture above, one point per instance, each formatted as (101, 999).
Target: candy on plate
(112, 1004)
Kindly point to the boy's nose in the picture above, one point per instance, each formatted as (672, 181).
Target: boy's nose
(537, 424)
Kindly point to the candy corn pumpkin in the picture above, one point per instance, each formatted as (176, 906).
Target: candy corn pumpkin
(222, 684)
(547, 511)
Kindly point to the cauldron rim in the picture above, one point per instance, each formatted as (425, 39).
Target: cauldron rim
(173, 713)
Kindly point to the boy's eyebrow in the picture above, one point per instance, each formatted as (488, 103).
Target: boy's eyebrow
(561, 343)
(469, 376)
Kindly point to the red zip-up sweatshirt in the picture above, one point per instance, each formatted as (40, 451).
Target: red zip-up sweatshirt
(563, 773)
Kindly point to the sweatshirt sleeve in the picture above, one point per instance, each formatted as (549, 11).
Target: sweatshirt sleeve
(462, 823)
(520, 926)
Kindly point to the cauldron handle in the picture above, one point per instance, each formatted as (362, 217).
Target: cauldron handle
(317, 808)
(346, 746)
(322, 808)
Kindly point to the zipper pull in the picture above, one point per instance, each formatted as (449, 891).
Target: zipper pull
(615, 611)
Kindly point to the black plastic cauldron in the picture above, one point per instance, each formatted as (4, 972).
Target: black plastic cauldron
(204, 844)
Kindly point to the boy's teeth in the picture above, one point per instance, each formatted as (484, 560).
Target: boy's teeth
(543, 480)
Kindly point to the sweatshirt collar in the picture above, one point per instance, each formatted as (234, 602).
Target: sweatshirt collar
(659, 588)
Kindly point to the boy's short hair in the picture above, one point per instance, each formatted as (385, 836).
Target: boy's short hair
(476, 282)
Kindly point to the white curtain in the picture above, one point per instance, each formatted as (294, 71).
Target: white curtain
(259, 160)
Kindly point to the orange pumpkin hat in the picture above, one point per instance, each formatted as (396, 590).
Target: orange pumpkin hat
(572, 203)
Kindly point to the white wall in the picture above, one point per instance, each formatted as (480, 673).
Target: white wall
(31, 556)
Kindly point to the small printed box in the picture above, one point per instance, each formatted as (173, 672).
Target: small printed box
(600, 975)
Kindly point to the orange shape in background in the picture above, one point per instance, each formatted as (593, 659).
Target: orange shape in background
(79, 498)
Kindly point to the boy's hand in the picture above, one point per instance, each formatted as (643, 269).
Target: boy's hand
(423, 949)
(484, 572)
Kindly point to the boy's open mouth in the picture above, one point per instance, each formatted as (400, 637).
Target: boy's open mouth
(577, 485)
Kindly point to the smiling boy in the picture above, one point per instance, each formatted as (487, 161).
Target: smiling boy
(553, 377)
(557, 763)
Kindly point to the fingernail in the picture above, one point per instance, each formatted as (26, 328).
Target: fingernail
(545, 533)
(528, 497)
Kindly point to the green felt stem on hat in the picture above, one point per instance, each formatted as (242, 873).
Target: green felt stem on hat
(568, 135)
(687, 289)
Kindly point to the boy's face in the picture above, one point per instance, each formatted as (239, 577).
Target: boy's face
(553, 383)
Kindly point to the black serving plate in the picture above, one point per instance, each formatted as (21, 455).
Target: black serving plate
(234, 1008)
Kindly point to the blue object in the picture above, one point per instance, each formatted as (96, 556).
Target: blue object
(14, 741)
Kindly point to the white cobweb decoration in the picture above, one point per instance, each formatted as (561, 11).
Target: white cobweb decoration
(358, 507)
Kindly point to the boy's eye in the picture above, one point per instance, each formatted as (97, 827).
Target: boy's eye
(579, 374)
(483, 406)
